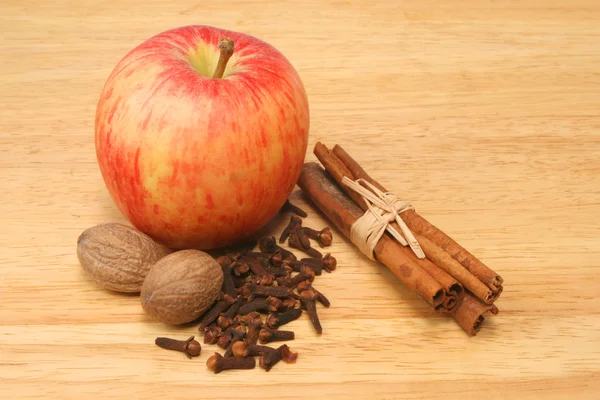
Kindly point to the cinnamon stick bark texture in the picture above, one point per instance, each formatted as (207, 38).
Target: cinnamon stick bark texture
(343, 212)
(469, 314)
(421, 226)
(445, 261)
(454, 289)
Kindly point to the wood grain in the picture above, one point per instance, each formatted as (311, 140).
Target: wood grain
(485, 114)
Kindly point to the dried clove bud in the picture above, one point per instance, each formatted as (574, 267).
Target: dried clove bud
(224, 322)
(257, 266)
(293, 225)
(250, 350)
(213, 313)
(211, 334)
(324, 237)
(276, 320)
(289, 207)
(217, 363)
(270, 358)
(251, 290)
(190, 347)
(267, 335)
(296, 243)
(288, 303)
(238, 333)
(240, 268)
(276, 259)
(258, 304)
(228, 285)
(329, 262)
(292, 282)
(308, 298)
(245, 319)
(274, 304)
(269, 245)
(315, 268)
(225, 338)
(265, 280)
(302, 286)
(278, 271)
(254, 327)
(233, 309)
(288, 356)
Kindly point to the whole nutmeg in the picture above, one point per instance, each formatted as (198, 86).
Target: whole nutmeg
(117, 256)
(181, 286)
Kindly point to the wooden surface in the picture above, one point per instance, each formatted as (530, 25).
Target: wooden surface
(484, 114)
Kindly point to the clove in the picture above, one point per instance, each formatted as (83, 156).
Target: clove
(213, 313)
(296, 242)
(276, 320)
(270, 358)
(224, 322)
(228, 285)
(225, 338)
(250, 290)
(288, 356)
(276, 259)
(292, 282)
(190, 347)
(269, 245)
(268, 335)
(240, 268)
(308, 298)
(274, 304)
(241, 349)
(254, 326)
(315, 267)
(289, 207)
(324, 237)
(294, 224)
(238, 333)
(327, 262)
(217, 363)
(211, 334)
(288, 303)
(233, 309)
(257, 266)
(258, 304)
(302, 286)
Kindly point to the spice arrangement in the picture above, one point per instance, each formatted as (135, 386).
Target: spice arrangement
(447, 277)
(242, 298)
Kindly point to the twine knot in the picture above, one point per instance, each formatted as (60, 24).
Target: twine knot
(383, 208)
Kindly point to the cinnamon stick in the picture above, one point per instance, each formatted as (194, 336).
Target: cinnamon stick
(454, 290)
(338, 170)
(421, 226)
(445, 261)
(469, 314)
(343, 212)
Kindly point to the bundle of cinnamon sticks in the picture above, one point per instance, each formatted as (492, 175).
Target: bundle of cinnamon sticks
(449, 279)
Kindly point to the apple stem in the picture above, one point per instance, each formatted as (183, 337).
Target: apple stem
(226, 48)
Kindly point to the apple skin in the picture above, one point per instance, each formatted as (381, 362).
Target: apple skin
(197, 162)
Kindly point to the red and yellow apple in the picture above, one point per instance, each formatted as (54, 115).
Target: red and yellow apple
(195, 161)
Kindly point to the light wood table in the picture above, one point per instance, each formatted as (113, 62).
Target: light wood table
(484, 114)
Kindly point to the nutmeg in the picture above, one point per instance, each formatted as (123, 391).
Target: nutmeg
(181, 286)
(117, 256)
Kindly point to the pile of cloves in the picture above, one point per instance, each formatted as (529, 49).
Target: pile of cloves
(263, 291)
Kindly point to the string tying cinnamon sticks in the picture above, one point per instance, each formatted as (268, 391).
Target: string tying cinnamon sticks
(382, 208)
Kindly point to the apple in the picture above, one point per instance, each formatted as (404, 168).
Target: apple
(196, 161)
